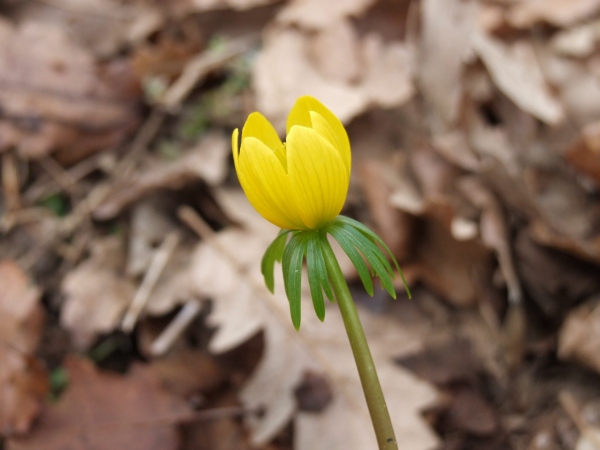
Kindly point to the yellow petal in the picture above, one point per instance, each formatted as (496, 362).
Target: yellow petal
(300, 115)
(321, 126)
(318, 176)
(259, 127)
(267, 185)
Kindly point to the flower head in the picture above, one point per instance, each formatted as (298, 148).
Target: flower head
(300, 184)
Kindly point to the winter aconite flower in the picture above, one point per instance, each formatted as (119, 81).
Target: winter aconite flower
(301, 187)
(300, 184)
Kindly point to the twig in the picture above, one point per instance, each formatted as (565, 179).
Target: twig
(175, 328)
(201, 65)
(141, 141)
(61, 176)
(84, 209)
(45, 186)
(201, 228)
(161, 257)
(123, 168)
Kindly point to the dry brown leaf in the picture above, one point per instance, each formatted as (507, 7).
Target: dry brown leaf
(584, 155)
(242, 306)
(562, 203)
(23, 380)
(284, 71)
(577, 87)
(454, 146)
(578, 41)
(561, 13)
(435, 176)
(335, 51)
(491, 142)
(208, 5)
(585, 249)
(236, 312)
(83, 22)
(167, 57)
(173, 287)
(149, 224)
(206, 161)
(583, 412)
(380, 182)
(553, 279)
(97, 292)
(494, 231)
(388, 72)
(457, 269)
(470, 412)
(579, 337)
(54, 96)
(445, 362)
(405, 395)
(446, 36)
(227, 433)
(187, 372)
(315, 14)
(516, 72)
(108, 411)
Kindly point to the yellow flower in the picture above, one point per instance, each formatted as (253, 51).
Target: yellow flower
(300, 184)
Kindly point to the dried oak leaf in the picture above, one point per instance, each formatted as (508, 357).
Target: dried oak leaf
(23, 381)
(576, 85)
(579, 336)
(283, 71)
(186, 372)
(557, 12)
(315, 14)
(552, 278)
(442, 363)
(447, 29)
(108, 411)
(205, 161)
(584, 155)
(179, 8)
(54, 96)
(97, 292)
(289, 67)
(456, 269)
(516, 72)
(83, 22)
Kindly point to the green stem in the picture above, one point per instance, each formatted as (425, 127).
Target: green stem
(362, 355)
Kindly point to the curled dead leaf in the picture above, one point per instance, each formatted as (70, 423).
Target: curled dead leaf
(23, 379)
(557, 12)
(516, 72)
(54, 95)
(579, 337)
(584, 155)
(97, 293)
(108, 411)
(314, 14)
(447, 29)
